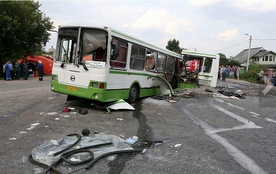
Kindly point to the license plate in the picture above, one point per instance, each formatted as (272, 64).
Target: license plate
(71, 88)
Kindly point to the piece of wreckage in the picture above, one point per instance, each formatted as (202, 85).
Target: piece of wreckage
(227, 93)
(75, 152)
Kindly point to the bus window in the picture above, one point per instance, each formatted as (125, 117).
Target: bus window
(170, 65)
(68, 51)
(118, 55)
(161, 63)
(137, 59)
(150, 60)
(94, 44)
(207, 65)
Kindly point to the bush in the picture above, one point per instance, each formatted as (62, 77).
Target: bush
(252, 74)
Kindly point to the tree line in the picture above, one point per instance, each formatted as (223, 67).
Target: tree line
(24, 30)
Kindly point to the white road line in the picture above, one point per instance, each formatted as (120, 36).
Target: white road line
(237, 155)
(270, 120)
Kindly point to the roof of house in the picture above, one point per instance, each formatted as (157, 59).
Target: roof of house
(263, 53)
(242, 56)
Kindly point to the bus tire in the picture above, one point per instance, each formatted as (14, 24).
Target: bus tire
(133, 93)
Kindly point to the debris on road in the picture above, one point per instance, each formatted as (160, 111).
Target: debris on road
(59, 158)
(131, 140)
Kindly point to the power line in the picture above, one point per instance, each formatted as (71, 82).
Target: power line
(230, 46)
(264, 39)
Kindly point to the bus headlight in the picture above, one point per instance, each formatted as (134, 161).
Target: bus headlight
(95, 84)
(52, 87)
(96, 96)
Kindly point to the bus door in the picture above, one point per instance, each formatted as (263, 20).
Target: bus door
(209, 71)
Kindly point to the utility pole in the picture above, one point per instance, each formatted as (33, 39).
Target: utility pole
(248, 56)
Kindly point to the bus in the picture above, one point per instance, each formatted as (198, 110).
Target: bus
(206, 71)
(105, 65)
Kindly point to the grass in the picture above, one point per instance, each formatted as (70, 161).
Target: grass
(187, 85)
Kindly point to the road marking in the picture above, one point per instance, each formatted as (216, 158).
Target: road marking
(237, 155)
(270, 120)
(235, 106)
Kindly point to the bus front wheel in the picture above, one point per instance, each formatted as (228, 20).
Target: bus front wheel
(133, 93)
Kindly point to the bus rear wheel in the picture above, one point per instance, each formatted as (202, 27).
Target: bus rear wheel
(133, 93)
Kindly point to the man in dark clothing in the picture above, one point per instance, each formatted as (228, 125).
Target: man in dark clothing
(40, 70)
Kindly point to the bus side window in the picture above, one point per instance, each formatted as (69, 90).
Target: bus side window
(118, 55)
(207, 65)
(149, 65)
(137, 59)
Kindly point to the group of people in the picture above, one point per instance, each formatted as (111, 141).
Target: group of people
(268, 77)
(229, 72)
(15, 71)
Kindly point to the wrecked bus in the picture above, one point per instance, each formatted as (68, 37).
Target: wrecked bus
(206, 67)
(103, 64)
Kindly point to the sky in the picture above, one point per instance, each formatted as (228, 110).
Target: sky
(210, 26)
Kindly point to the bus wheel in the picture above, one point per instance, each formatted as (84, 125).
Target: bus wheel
(133, 93)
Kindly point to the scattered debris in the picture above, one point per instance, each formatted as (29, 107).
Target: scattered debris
(52, 113)
(54, 142)
(85, 132)
(12, 139)
(96, 132)
(83, 111)
(66, 109)
(117, 105)
(90, 149)
(121, 136)
(177, 145)
(33, 126)
(120, 104)
(131, 140)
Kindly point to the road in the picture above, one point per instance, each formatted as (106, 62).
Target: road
(201, 134)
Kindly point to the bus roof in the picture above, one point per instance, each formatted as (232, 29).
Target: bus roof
(200, 54)
(127, 37)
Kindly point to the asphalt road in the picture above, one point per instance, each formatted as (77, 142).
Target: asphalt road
(201, 134)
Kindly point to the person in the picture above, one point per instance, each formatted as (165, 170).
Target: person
(4, 71)
(219, 74)
(8, 70)
(16, 71)
(238, 72)
(25, 71)
(40, 70)
(224, 72)
(235, 72)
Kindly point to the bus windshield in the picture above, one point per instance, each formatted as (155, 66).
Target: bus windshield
(90, 46)
(93, 45)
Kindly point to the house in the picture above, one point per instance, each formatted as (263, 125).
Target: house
(257, 56)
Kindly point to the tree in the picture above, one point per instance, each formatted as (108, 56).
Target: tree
(23, 29)
(173, 45)
(224, 61)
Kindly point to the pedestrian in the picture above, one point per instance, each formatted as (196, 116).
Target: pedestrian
(238, 72)
(228, 71)
(16, 71)
(219, 72)
(4, 71)
(40, 70)
(25, 71)
(8, 70)
(224, 72)
(235, 72)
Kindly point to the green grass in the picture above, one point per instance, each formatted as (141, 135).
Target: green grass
(187, 85)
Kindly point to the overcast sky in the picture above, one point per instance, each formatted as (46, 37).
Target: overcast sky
(213, 26)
